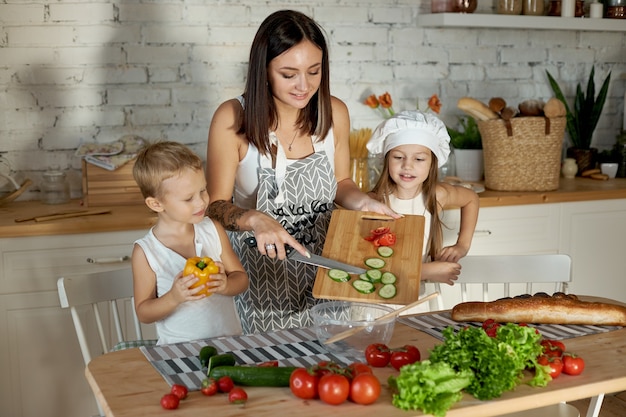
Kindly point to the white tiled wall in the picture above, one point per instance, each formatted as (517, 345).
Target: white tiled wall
(73, 70)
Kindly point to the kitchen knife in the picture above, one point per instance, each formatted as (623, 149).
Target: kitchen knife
(314, 259)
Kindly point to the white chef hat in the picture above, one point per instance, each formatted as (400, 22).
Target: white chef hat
(412, 127)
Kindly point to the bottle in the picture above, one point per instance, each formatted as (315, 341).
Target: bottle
(533, 7)
(570, 168)
(54, 189)
(509, 6)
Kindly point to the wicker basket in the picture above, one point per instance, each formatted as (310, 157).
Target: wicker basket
(523, 154)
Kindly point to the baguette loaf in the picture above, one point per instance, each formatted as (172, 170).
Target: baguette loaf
(542, 309)
(476, 108)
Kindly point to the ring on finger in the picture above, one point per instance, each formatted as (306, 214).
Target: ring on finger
(270, 246)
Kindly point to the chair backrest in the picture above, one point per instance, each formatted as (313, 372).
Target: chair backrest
(485, 278)
(98, 290)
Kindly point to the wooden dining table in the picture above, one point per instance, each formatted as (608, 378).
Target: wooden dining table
(126, 384)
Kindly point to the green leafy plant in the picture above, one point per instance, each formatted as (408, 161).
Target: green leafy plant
(467, 136)
(583, 118)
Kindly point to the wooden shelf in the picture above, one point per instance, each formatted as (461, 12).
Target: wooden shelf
(500, 21)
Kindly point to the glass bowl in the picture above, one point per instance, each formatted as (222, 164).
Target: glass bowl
(333, 317)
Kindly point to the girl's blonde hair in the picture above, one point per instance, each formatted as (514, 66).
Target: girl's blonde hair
(159, 161)
(386, 186)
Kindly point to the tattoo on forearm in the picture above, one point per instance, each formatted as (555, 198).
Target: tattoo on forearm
(226, 213)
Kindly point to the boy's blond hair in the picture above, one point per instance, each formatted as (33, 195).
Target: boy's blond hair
(159, 161)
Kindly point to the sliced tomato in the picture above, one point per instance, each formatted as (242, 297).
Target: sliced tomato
(388, 239)
(270, 364)
(380, 231)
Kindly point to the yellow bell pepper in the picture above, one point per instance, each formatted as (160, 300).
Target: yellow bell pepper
(201, 267)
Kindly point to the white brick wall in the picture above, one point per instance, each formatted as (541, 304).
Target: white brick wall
(85, 70)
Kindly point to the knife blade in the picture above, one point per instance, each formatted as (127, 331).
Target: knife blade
(315, 260)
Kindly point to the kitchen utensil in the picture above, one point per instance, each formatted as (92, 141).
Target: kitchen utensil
(15, 194)
(26, 219)
(63, 215)
(314, 259)
(355, 330)
(345, 243)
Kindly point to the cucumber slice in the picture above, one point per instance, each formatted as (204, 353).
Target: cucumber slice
(387, 291)
(375, 263)
(338, 275)
(388, 278)
(364, 287)
(374, 275)
(385, 251)
(364, 277)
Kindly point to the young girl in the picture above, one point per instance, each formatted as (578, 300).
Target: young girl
(173, 184)
(415, 144)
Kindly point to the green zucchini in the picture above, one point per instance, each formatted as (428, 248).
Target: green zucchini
(225, 359)
(255, 376)
(205, 353)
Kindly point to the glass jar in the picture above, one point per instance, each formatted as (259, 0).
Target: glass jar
(55, 189)
(533, 7)
(570, 168)
(509, 6)
(442, 6)
(360, 173)
(465, 6)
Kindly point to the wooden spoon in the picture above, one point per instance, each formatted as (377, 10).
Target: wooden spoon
(350, 332)
(15, 194)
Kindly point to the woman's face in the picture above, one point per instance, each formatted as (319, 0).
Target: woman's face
(409, 166)
(296, 74)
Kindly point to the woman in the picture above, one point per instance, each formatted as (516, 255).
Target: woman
(277, 161)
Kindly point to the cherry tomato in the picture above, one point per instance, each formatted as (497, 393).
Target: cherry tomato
(225, 384)
(326, 367)
(180, 391)
(572, 364)
(490, 327)
(303, 383)
(365, 389)
(237, 396)
(553, 348)
(377, 355)
(357, 368)
(209, 387)
(399, 358)
(270, 364)
(170, 401)
(334, 389)
(555, 364)
(388, 239)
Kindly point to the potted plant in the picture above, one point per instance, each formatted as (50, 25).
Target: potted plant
(468, 149)
(582, 119)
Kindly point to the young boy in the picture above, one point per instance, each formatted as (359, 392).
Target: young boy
(173, 184)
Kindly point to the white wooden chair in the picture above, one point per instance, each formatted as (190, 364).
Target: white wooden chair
(101, 297)
(487, 278)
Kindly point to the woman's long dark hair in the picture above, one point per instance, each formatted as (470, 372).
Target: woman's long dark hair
(385, 187)
(279, 32)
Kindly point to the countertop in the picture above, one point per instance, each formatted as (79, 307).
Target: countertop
(136, 217)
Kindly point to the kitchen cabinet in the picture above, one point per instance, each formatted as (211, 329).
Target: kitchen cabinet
(499, 21)
(39, 354)
(590, 232)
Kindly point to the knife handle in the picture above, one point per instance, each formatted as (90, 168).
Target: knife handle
(251, 242)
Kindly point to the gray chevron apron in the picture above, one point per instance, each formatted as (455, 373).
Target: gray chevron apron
(300, 196)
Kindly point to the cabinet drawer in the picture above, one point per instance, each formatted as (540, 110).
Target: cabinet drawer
(509, 230)
(33, 264)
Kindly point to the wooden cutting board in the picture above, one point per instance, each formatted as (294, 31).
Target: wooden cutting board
(345, 242)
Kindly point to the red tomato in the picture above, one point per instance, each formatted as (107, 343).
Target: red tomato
(303, 383)
(388, 239)
(209, 387)
(180, 391)
(377, 355)
(170, 401)
(572, 364)
(399, 358)
(379, 231)
(237, 396)
(225, 384)
(357, 368)
(268, 364)
(326, 367)
(553, 348)
(555, 364)
(490, 327)
(334, 389)
(413, 351)
(365, 389)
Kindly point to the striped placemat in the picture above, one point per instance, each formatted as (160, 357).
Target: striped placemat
(435, 323)
(179, 363)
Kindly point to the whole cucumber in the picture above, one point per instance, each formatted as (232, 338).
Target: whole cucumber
(225, 359)
(255, 376)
